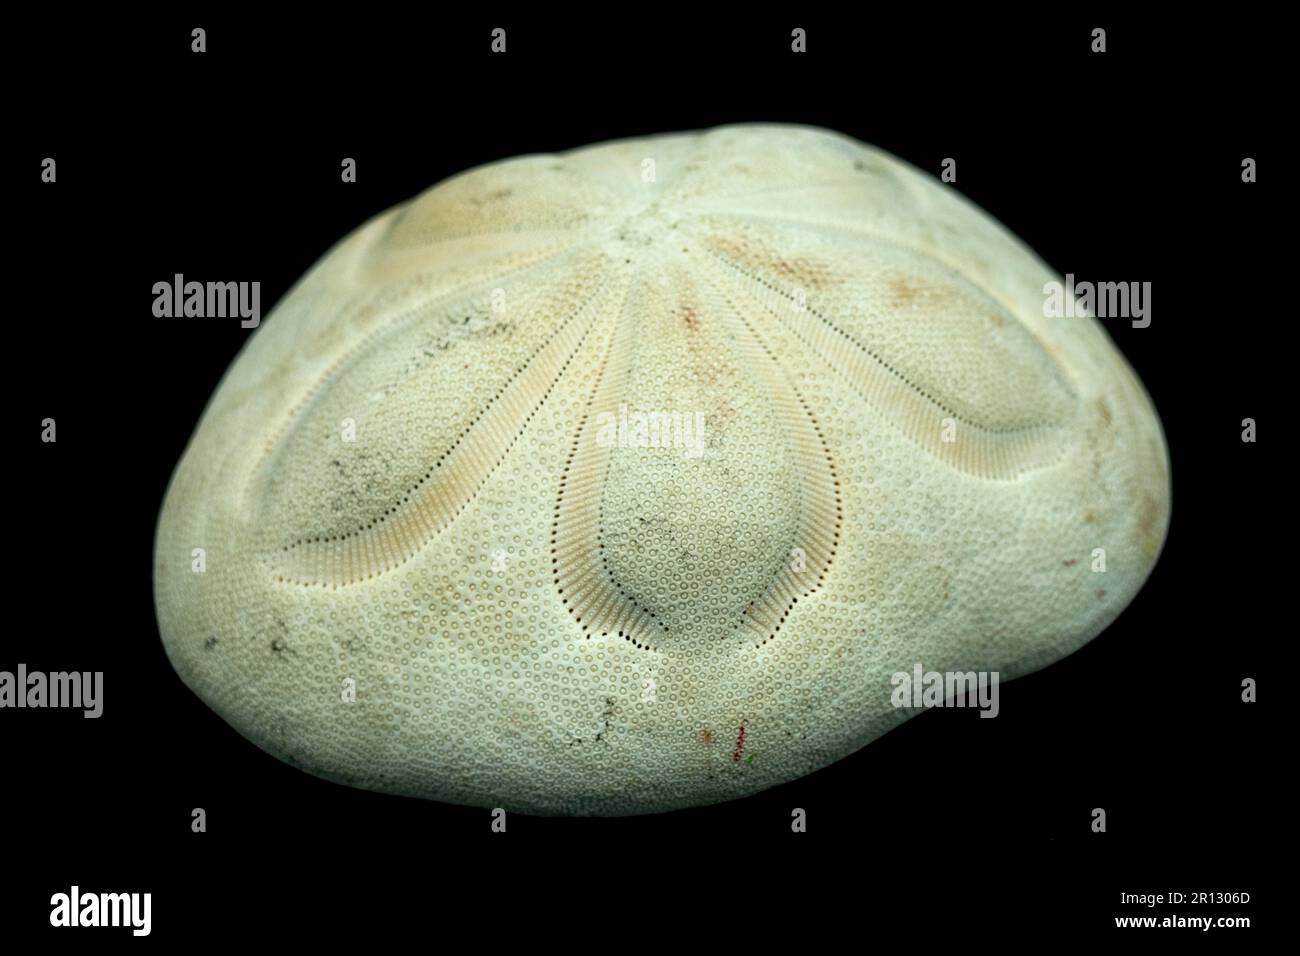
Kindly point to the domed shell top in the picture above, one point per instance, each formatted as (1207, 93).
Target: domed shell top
(625, 479)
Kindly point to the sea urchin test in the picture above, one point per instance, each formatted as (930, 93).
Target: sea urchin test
(626, 479)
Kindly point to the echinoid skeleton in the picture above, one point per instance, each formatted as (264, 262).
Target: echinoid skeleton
(845, 442)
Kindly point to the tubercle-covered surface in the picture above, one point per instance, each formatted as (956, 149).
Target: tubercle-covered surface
(535, 619)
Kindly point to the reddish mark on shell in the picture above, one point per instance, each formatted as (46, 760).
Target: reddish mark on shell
(740, 744)
(1071, 563)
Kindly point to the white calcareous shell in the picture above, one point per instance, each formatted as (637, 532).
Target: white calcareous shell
(625, 479)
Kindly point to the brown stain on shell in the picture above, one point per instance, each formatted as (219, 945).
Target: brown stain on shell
(1148, 524)
(761, 259)
(1104, 411)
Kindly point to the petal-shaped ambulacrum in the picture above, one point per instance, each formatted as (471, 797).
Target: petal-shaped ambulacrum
(627, 479)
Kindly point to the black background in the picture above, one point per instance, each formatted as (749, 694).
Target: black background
(1122, 166)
